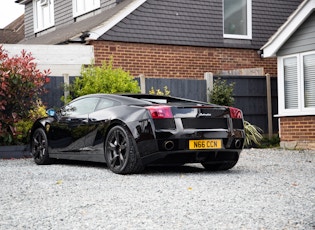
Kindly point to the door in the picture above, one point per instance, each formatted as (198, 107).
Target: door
(69, 131)
(99, 120)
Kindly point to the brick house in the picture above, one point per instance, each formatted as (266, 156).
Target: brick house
(294, 46)
(162, 38)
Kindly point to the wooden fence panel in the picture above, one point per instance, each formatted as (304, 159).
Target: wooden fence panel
(187, 88)
(55, 91)
(250, 94)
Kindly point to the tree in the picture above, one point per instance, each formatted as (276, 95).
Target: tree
(21, 85)
(102, 79)
(222, 93)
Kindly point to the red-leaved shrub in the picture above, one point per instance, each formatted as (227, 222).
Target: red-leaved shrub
(21, 85)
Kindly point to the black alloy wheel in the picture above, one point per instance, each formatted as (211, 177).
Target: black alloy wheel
(121, 153)
(40, 147)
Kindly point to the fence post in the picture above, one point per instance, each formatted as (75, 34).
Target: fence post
(209, 82)
(66, 81)
(269, 105)
(142, 83)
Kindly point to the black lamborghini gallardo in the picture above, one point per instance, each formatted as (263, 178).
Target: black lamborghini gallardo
(131, 131)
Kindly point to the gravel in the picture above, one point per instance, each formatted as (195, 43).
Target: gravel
(267, 189)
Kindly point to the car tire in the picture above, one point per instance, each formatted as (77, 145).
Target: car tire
(40, 147)
(121, 153)
(219, 167)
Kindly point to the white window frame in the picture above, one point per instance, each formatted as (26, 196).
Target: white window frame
(43, 13)
(249, 23)
(81, 7)
(301, 110)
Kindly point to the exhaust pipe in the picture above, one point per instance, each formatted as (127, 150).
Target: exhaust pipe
(238, 143)
(168, 145)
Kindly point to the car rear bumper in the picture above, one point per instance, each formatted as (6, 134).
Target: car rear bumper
(176, 150)
(172, 145)
(188, 156)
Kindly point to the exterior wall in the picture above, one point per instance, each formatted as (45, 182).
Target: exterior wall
(297, 132)
(63, 12)
(178, 61)
(105, 4)
(302, 40)
(29, 21)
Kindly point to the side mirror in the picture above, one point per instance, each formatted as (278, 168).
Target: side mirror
(51, 112)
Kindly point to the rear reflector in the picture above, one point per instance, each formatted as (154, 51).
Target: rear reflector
(160, 112)
(235, 113)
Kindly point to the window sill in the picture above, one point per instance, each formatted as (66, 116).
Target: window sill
(239, 37)
(42, 30)
(295, 114)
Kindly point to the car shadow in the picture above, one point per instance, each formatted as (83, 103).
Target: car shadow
(184, 169)
(151, 169)
(75, 163)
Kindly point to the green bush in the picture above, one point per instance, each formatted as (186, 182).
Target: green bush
(222, 93)
(273, 142)
(23, 126)
(103, 79)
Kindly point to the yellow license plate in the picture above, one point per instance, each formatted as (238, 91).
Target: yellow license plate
(205, 144)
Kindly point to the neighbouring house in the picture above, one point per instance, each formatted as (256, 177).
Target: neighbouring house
(162, 38)
(294, 46)
(14, 32)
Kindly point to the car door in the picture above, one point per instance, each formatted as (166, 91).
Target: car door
(99, 120)
(68, 133)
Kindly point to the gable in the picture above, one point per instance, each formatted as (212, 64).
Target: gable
(302, 40)
(294, 45)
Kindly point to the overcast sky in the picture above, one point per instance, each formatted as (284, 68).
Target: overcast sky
(9, 11)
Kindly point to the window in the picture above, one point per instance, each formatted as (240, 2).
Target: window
(105, 103)
(237, 19)
(80, 107)
(290, 83)
(43, 14)
(309, 80)
(297, 84)
(84, 6)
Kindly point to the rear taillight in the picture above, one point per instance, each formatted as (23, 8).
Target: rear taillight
(235, 113)
(160, 112)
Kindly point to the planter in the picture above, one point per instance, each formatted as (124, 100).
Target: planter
(15, 151)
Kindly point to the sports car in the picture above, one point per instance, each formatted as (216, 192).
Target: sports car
(131, 131)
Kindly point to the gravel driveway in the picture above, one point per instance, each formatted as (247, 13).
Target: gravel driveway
(268, 189)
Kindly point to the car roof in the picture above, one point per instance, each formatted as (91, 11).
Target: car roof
(142, 99)
(118, 98)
